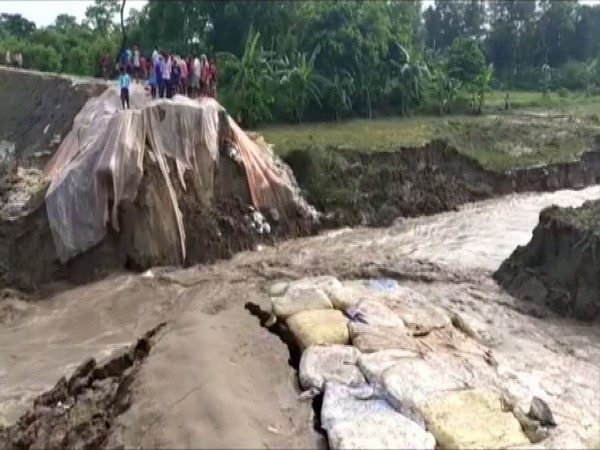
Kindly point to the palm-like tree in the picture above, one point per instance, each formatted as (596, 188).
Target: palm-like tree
(483, 85)
(340, 89)
(252, 79)
(411, 76)
(302, 81)
(445, 88)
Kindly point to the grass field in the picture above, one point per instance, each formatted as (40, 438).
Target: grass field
(535, 131)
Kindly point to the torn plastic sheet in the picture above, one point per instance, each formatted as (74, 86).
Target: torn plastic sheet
(101, 160)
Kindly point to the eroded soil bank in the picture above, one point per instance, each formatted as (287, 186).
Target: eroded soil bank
(559, 266)
(37, 112)
(375, 187)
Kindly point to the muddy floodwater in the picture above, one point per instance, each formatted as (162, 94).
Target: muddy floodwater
(479, 235)
(43, 340)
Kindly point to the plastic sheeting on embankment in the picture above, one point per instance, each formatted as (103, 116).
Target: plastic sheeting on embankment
(100, 163)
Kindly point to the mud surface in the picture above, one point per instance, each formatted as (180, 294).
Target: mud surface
(559, 266)
(374, 188)
(78, 412)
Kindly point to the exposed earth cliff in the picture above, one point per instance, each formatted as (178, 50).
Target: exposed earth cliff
(559, 267)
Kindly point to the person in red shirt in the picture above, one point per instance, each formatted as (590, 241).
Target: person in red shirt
(105, 65)
(204, 76)
(212, 74)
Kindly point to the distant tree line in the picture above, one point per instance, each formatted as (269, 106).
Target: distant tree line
(314, 60)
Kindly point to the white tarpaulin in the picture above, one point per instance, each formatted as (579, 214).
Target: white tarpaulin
(101, 161)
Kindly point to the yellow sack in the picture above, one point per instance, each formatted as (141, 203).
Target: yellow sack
(472, 419)
(319, 327)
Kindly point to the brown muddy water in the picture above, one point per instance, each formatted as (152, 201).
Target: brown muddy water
(41, 341)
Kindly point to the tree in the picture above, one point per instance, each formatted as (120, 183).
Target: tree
(339, 92)
(303, 83)
(251, 81)
(16, 25)
(445, 89)
(483, 86)
(65, 23)
(466, 60)
(100, 16)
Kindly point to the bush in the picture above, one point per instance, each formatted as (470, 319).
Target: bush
(40, 57)
(562, 92)
(573, 76)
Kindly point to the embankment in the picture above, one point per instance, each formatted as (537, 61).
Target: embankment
(37, 111)
(559, 266)
(374, 188)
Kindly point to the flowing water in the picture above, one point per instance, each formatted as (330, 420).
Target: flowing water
(479, 235)
(42, 341)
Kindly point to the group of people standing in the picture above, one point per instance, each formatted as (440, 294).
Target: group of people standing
(164, 73)
(15, 60)
(172, 74)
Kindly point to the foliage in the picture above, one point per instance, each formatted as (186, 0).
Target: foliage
(285, 60)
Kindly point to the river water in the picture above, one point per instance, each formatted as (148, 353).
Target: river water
(45, 340)
(479, 235)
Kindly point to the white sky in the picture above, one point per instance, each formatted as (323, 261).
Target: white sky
(43, 12)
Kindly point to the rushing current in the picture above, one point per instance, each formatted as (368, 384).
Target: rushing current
(41, 341)
(479, 235)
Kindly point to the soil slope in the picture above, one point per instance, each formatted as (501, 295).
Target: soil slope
(559, 266)
(375, 187)
(36, 108)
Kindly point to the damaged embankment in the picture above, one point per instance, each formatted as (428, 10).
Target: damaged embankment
(79, 412)
(559, 266)
(375, 187)
(37, 111)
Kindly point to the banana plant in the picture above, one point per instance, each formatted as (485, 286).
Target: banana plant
(252, 81)
(483, 86)
(303, 84)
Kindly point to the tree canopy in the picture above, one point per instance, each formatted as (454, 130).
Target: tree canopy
(291, 60)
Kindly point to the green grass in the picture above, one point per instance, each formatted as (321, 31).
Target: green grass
(536, 131)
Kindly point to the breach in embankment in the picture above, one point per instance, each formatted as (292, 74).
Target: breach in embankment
(169, 182)
(559, 266)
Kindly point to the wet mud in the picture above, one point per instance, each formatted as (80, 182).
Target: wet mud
(78, 412)
(559, 266)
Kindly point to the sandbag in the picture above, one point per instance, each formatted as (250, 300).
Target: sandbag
(342, 403)
(327, 284)
(411, 381)
(472, 419)
(380, 429)
(421, 319)
(329, 363)
(371, 338)
(374, 313)
(299, 298)
(373, 365)
(319, 327)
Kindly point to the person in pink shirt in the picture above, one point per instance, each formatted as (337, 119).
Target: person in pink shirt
(183, 70)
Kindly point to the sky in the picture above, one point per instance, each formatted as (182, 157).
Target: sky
(43, 12)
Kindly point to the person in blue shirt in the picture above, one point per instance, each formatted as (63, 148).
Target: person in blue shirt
(158, 72)
(124, 82)
(152, 81)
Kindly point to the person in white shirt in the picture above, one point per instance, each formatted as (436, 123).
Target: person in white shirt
(155, 55)
(7, 57)
(195, 78)
(137, 71)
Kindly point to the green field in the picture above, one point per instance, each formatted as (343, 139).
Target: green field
(535, 131)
